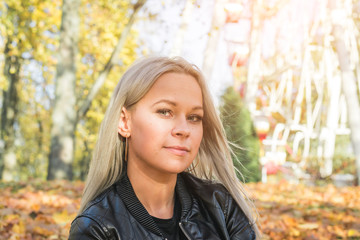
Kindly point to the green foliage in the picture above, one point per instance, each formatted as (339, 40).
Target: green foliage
(26, 26)
(96, 45)
(33, 27)
(240, 131)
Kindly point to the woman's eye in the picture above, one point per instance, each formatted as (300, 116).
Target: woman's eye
(195, 118)
(164, 112)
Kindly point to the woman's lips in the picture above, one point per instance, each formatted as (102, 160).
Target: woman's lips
(178, 150)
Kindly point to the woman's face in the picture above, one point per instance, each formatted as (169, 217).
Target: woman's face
(166, 125)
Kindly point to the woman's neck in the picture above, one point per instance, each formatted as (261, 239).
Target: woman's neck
(155, 191)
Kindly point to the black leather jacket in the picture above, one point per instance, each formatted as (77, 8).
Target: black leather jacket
(208, 212)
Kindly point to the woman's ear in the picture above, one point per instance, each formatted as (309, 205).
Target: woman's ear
(124, 128)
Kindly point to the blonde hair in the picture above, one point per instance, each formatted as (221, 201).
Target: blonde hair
(213, 160)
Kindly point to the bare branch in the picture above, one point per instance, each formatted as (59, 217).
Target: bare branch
(108, 66)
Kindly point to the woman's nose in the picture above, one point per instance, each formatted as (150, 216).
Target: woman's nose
(181, 128)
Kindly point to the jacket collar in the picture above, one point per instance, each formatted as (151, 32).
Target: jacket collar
(138, 211)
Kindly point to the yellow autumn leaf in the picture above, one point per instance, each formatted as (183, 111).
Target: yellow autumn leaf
(42, 231)
(353, 233)
(63, 217)
(11, 217)
(19, 228)
(35, 207)
(294, 232)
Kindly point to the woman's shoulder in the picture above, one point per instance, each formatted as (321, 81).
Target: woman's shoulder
(105, 211)
(90, 223)
(102, 202)
(107, 200)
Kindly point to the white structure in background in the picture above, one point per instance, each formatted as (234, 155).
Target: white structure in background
(306, 79)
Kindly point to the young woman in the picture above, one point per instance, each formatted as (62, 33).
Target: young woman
(162, 167)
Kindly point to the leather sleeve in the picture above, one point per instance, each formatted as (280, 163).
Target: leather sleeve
(84, 228)
(237, 223)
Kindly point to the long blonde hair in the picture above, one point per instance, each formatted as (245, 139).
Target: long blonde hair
(213, 160)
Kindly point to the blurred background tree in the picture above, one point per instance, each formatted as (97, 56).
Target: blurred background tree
(240, 131)
(70, 106)
(30, 31)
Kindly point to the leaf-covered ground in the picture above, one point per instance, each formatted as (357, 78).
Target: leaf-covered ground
(44, 210)
(299, 212)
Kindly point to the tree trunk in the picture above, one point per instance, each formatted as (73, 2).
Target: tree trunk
(332, 120)
(63, 142)
(64, 112)
(254, 57)
(8, 114)
(349, 87)
(185, 20)
(218, 21)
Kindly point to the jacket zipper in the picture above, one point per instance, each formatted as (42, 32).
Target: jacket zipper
(183, 230)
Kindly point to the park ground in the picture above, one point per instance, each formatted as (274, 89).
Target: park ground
(44, 210)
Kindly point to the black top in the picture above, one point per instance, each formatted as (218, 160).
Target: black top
(207, 212)
(170, 227)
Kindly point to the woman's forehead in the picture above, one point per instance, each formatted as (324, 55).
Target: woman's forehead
(176, 87)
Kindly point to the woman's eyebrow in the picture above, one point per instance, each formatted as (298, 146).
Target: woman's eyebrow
(165, 101)
(175, 104)
(198, 108)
